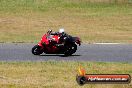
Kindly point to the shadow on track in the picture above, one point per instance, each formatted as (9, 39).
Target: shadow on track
(60, 55)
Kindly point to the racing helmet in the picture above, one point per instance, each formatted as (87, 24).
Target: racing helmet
(61, 30)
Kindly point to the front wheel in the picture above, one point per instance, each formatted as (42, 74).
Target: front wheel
(71, 49)
(36, 50)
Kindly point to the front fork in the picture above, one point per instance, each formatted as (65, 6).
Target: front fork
(42, 45)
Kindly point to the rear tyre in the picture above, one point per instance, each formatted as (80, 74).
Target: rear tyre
(70, 50)
(36, 50)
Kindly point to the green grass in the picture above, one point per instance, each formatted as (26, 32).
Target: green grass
(57, 74)
(28, 20)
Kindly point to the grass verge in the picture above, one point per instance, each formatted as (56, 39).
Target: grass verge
(28, 20)
(57, 74)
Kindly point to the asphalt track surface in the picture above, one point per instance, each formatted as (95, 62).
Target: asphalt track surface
(86, 52)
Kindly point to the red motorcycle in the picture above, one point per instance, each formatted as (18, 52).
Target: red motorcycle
(56, 43)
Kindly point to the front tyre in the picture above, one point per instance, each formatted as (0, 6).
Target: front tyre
(36, 50)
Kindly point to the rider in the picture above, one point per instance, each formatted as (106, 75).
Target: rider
(63, 35)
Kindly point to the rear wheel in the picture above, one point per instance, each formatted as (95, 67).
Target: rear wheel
(71, 49)
(36, 50)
